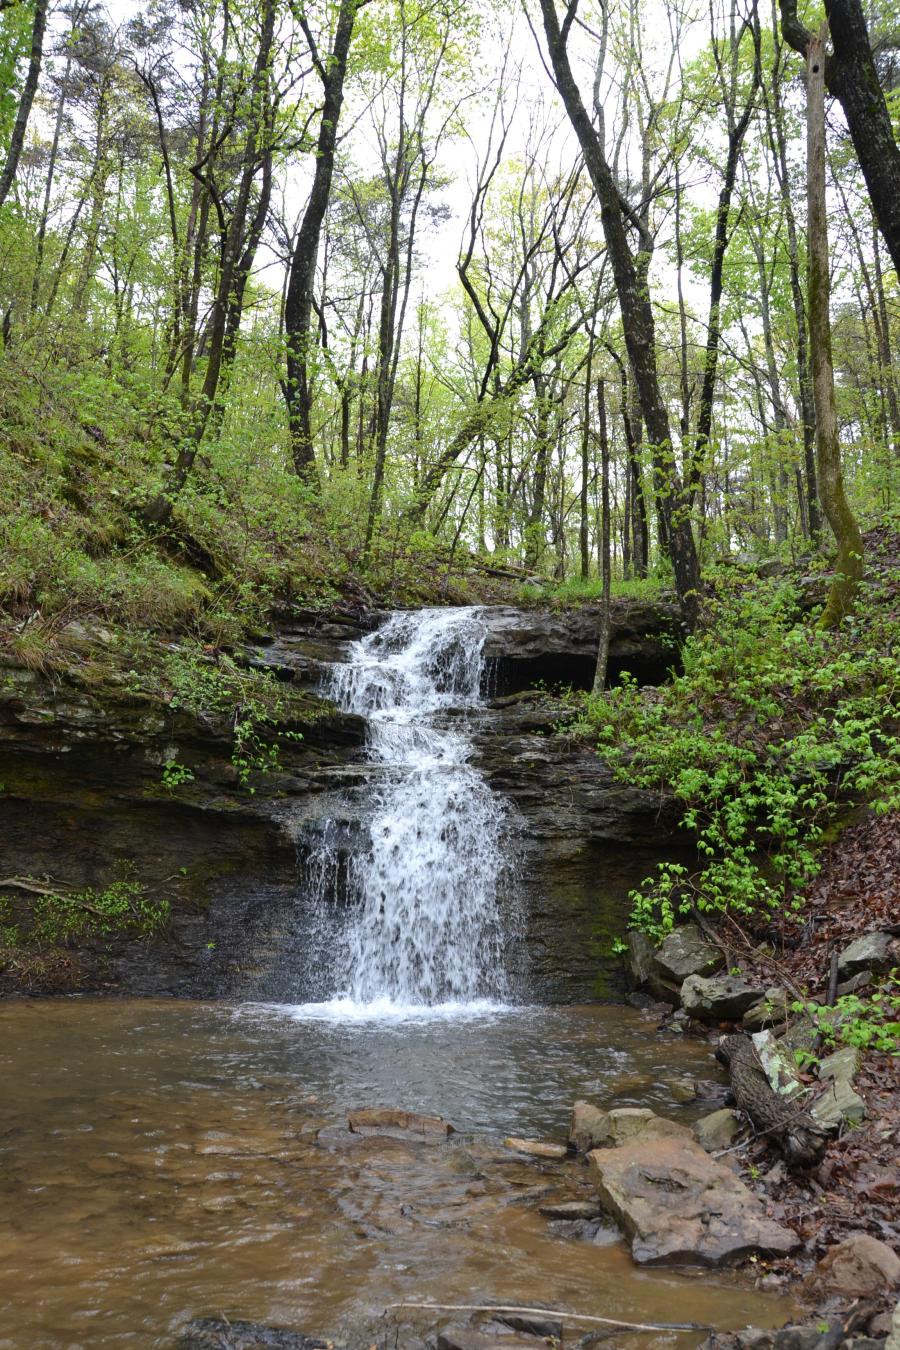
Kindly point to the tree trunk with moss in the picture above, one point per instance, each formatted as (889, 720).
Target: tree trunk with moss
(849, 564)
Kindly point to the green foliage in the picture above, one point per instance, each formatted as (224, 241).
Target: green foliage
(773, 728)
(175, 775)
(575, 591)
(869, 1021)
(252, 701)
(122, 909)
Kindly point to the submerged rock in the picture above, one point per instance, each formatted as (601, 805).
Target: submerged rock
(406, 1125)
(209, 1333)
(721, 998)
(457, 1336)
(537, 1148)
(785, 1338)
(678, 1206)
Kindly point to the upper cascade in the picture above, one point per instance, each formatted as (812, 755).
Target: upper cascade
(426, 930)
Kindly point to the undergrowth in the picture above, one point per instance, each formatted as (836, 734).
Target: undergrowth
(774, 728)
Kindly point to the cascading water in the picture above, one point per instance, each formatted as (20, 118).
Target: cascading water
(426, 928)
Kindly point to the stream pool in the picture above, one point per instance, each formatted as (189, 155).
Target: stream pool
(159, 1161)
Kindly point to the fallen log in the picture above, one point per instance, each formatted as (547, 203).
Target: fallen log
(790, 1127)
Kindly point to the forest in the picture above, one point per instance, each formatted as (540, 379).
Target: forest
(296, 293)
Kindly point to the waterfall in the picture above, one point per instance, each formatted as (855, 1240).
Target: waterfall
(425, 926)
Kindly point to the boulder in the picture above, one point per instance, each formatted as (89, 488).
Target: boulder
(588, 1126)
(772, 1010)
(859, 1265)
(391, 1124)
(754, 1338)
(681, 1089)
(720, 998)
(687, 952)
(839, 1103)
(678, 1206)
(209, 1333)
(592, 1128)
(717, 1131)
(872, 951)
(537, 1148)
(893, 1340)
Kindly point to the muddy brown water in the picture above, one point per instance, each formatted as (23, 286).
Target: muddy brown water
(159, 1161)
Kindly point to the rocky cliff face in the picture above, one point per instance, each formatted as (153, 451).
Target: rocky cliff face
(82, 768)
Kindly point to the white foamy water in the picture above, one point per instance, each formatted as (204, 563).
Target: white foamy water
(426, 931)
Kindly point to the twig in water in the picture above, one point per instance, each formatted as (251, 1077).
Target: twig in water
(554, 1312)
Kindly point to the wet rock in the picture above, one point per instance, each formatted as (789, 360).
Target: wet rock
(392, 1124)
(720, 998)
(593, 1128)
(872, 951)
(709, 1093)
(588, 1126)
(678, 1206)
(546, 1326)
(785, 1338)
(537, 1148)
(208, 1333)
(571, 1209)
(682, 1090)
(460, 1337)
(859, 1265)
(685, 951)
(717, 1131)
(839, 1103)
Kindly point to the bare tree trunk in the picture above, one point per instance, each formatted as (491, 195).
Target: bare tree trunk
(852, 78)
(637, 319)
(583, 537)
(298, 300)
(605, 570)
(7, 177)
(849, 564)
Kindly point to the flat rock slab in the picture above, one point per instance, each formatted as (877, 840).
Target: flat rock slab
(391, 1124)
(537, 1148)
(208, 1333)
(678, 1206)
(872, 951)
(838, 1101)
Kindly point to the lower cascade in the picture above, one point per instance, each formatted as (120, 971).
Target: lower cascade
(425, 928)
